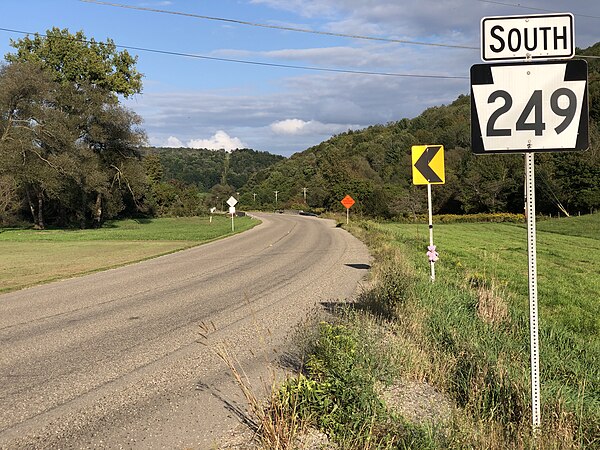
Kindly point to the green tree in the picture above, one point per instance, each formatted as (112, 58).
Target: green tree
(75, 59)
(154, 168)
(74, 147)
(31, 135)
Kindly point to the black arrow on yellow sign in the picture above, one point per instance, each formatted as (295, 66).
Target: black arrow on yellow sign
(422, 164)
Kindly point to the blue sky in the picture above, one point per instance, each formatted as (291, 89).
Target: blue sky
(195, 102)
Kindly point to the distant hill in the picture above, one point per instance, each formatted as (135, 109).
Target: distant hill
(206, 168)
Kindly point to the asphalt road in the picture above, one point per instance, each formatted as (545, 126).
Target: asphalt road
(113, 359)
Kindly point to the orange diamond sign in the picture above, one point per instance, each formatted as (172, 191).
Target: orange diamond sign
(347, 201)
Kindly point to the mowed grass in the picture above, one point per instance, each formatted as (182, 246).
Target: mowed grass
(567, 263)
(31, 257)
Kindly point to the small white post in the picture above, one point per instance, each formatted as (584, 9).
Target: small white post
(533, 304)
(232, 212)
(432, 263)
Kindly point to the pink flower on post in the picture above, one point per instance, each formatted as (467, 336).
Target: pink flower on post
(432, 254)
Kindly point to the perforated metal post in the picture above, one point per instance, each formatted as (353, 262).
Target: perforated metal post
(533, 304)
(432, 264)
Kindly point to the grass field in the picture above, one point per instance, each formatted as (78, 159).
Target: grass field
(568, 271)
(492, 258)
(31, 257)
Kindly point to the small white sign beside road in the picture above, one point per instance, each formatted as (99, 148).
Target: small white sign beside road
(231, 201)
(536, 36)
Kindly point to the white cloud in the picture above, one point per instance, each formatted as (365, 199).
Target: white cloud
(302, 7)
(290, 111)
(289, 126)
(298, 127)
(173, 142)
(448, 21)
(372, 55)
(220, 140)
(308, 110)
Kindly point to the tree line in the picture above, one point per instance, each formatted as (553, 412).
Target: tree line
(73, 156)
(185, 181)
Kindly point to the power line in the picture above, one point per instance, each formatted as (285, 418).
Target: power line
(533, 9)
(278, 27)
(326, 33)
(260, 63)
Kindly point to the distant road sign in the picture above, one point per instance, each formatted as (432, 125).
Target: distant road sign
(428, 164)
(231, 201)
(527, 107)
(347, 201)
(527, 37)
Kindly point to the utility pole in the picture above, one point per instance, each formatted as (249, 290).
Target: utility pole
(304, 190)
(254, 195)
(276, 192)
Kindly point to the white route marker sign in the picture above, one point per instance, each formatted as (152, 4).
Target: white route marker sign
(528, 107)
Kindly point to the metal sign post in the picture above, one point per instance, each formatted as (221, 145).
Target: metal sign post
(431, 246)
(232, 201)
(525, 108)
(232, 212)
(533, 302)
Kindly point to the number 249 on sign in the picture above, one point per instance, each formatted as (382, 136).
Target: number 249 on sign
(533, 110)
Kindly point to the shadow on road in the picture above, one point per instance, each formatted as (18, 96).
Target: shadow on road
(359, 266)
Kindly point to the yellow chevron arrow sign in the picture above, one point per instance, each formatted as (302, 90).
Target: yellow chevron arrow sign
(428, 164)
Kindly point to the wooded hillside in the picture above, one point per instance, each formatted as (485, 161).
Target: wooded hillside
(206, 168)
(374, 167)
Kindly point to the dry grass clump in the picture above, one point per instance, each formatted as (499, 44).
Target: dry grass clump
(274, 426)
(492, 307)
